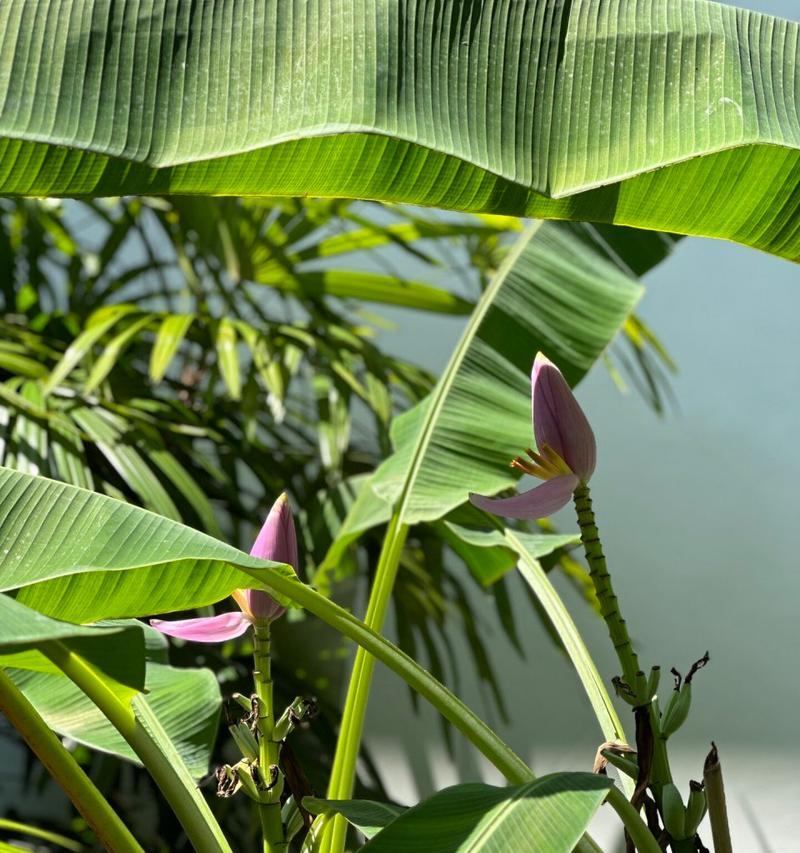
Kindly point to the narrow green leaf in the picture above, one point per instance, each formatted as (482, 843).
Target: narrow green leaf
(28, 441)
(21, 365)
(81, 346)
(108, 359)
(16, 828)
(368, 287)
(569, 635)
(170, 335)
(228, 357)
(69, 455)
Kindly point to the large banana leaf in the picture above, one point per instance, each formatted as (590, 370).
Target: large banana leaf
(110, 544)
(678, 115)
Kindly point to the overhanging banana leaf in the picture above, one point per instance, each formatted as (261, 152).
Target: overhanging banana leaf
(679, 115)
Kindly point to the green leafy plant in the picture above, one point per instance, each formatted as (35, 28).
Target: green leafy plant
(171, 362)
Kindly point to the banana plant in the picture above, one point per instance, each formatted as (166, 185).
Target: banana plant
(583, 293)
(148, 380)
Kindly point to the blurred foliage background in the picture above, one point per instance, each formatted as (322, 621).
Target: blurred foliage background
(199, 356)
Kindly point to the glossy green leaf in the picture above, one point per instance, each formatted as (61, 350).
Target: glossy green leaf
(373, 235)
(369, 287)
(549, 814)
(105, 363)
(82, 345)
(367, 816)
(169, 337)
(82, 556)
(526, 108)
(558, 290)
(118, 556)
(186, 702)
(228, 359)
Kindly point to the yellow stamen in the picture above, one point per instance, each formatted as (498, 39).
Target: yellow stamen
(557, 462)
(529, 468)
(545, 465)
(539, 460)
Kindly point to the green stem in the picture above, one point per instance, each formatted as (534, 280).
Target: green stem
(636, 827)
(142, 731)
(269, 808)
(449, 706)
(343, 772)
(111, 832)
(489, 744)
(598, 570)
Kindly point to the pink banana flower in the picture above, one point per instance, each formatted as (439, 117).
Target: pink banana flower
(566, 449)
(277, 541)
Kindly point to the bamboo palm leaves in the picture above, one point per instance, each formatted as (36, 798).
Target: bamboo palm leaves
(680, 115)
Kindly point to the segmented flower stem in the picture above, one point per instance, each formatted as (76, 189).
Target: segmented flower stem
(598, 571)
(270, 806)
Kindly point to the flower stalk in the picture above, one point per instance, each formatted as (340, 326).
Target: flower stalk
(606, 597)
(270, 784)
